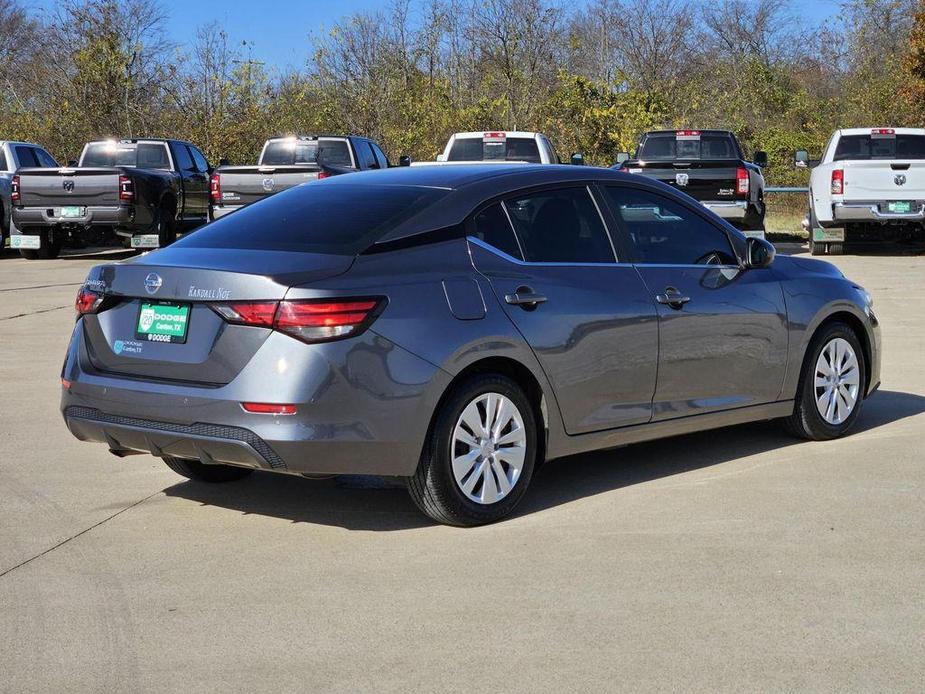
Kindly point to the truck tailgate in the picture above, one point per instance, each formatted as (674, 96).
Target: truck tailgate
(242, 185)
(66, 187)
(873, 181)
(700, 180)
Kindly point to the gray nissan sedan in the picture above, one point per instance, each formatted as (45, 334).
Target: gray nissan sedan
(456, 326)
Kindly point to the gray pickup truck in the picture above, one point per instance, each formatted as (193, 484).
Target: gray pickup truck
(144, 190)
(12, 156)
(289, 161)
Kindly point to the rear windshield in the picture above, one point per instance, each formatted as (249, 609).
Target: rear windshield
(508, 149)
(669, 146)
(882, 147)
(288, 152)
(144, 155)
(334, 219)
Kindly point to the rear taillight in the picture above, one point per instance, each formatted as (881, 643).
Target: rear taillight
(323, 174)
(268, 408)
(309, 320)
(126, 189)
(838, 181)
(14, 189)
(742, 181)
(87, 302)
(215, 188)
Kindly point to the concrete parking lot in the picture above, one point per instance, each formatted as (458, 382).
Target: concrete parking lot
(735, 560)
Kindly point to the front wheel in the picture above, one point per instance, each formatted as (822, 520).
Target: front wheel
(831, 388)
(201, 472)
(480, 454)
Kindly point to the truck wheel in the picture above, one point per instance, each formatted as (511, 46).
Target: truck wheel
(49, 250)
(166, 224)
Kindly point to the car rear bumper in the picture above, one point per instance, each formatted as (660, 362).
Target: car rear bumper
(116, 216)
(727, 209)
(870, 211)
(363, 407)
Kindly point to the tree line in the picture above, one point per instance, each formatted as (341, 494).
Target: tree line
(592, 75)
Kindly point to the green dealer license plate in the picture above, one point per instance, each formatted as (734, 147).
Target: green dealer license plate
(899, 207)
(162, 322)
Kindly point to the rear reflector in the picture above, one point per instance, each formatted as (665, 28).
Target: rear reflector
(309, 320)
(87, 302)
(268, 408)
(66, 384)
(838, 182)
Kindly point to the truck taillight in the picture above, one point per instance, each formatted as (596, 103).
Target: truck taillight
(742, 181)
(14, 189)
(215, 188)
(309, 320)
(126, 189)
(838, 181)
(323, 174)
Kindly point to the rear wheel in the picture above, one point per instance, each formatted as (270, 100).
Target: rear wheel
(48, 250)
(166, 224)
(831, 387)
(200, 472)
(480, 454)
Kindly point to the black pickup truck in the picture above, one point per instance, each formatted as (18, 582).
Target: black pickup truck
(144, 190)
(289, 161)
(708, 165)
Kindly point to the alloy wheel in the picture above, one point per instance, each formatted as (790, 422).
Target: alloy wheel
(837, 381)
(488, 448)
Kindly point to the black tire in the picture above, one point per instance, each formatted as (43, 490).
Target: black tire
(434, 488)
(166, 224)
(200, 472)
(806, 422)
(49, 250)
(836, 249)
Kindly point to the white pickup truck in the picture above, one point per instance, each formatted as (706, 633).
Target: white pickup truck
(868, 186)
(499, 147)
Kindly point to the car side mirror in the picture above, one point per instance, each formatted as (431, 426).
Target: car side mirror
(223, 162)
(577, 159)
(622, 157)
(801, 159)
(761, 158)
(404, 160)
(759, 253)
(71, 163)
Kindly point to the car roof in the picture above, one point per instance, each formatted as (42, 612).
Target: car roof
(469, 185)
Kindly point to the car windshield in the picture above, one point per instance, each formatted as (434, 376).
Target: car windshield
(144, 155)
(504, 149)
(288, 152)
(670, 146)
(334, 219)
(880, 147)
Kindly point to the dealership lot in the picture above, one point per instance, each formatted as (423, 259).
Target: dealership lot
(731, 560)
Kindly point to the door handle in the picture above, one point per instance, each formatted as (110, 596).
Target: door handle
(672, 297)
(525, 297)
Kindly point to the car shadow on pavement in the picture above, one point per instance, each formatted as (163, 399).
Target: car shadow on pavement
(357, 504)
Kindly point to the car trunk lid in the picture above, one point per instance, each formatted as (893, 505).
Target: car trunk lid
(175, 287)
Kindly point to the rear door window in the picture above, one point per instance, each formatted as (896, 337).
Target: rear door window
(182, 155)
(201, 163)
(3, 165)
(26, 156)
(381, 159)
(337, 219)
(492, 226)
(560, 226)
(664, 232)
(45, 159)
(367, 158)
